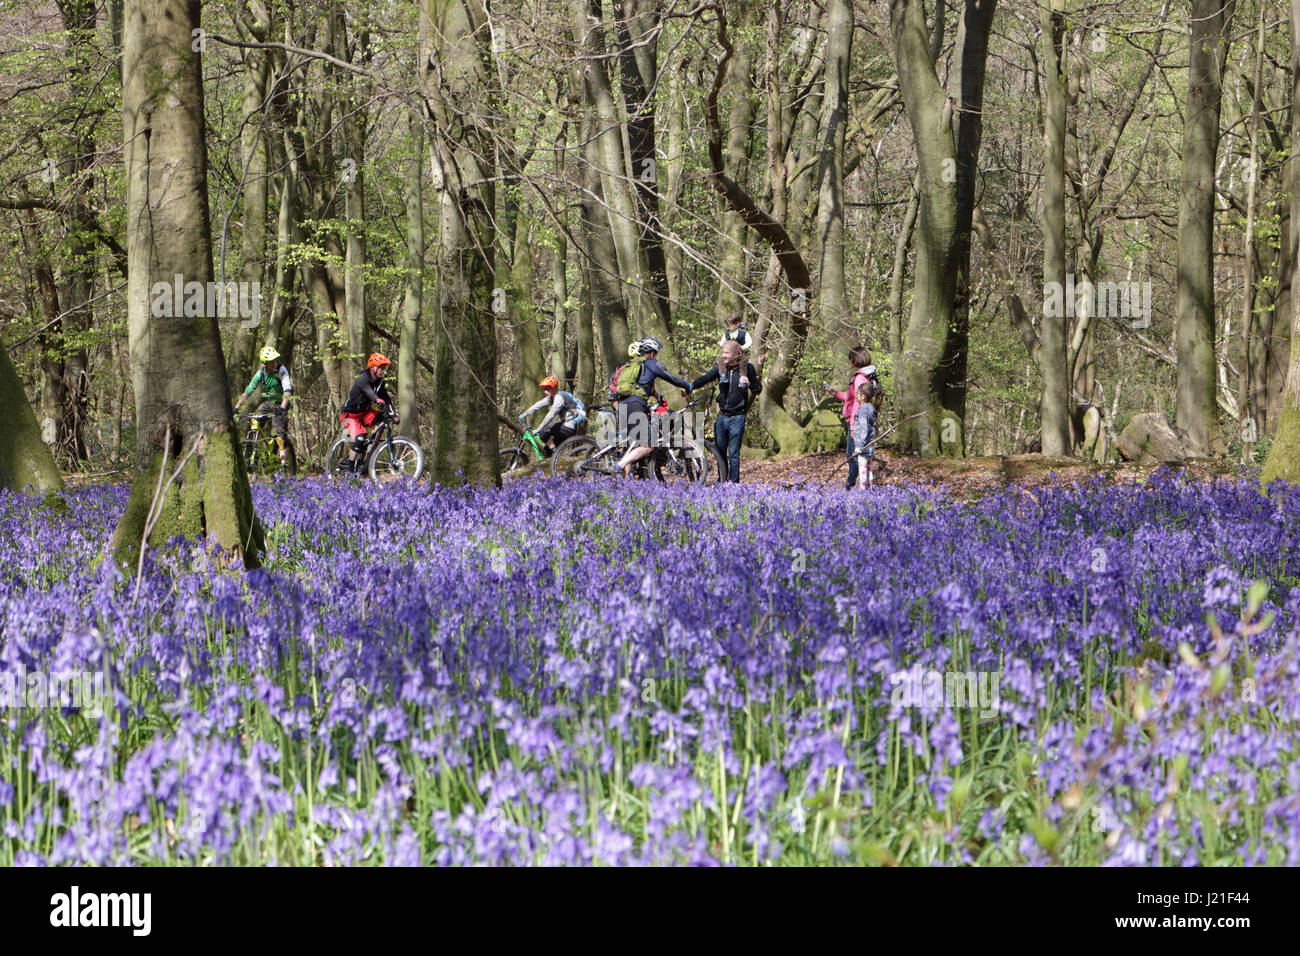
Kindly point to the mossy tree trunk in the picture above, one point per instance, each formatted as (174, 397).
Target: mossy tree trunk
(947, 131)
(1283, 460)
(25, 459)
(182, 394)
(455, 65)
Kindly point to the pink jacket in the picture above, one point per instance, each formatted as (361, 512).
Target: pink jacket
(850, 397)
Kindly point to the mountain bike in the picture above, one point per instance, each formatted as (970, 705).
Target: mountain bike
(686, 458)
(259, 445)
(578, 448)
(516, 457)
(384, 456)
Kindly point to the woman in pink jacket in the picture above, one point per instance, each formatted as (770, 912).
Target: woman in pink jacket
(863, 371)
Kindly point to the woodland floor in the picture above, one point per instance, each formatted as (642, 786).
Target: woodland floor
(963, 477)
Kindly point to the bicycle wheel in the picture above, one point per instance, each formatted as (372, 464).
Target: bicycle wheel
(697, 464)
(510, 459)
(337, 457)
(571, 454)
(397, 459)
(252, 456)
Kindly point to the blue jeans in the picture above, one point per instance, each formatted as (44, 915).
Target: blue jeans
(851, 453)
(728, 430)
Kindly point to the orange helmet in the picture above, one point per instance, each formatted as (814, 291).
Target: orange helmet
(549, 382)
(378, 361)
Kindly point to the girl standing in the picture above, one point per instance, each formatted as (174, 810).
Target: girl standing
(863, 371)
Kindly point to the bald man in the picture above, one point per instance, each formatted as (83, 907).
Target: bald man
(738, 385)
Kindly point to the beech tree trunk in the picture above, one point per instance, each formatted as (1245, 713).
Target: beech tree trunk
(1050, 353)
(25, 459)
(185, 444)
(455, 65)
(413, 301)
(1195, 386)
(742, 107)
(1283, 460)
(833, 295)
(946, 130)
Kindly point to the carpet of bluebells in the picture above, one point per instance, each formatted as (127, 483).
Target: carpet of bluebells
(610, 674)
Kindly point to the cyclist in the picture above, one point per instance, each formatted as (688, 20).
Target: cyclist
(634, 386)
(275, 388)
(359, 411)
(565, 417)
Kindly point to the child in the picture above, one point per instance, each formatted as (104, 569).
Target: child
(864, 429)
(736, 332)
(358, 412)
(863, 370)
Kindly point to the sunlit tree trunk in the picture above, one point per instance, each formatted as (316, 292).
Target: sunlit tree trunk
(413, 300)
(1194, 330)
(185, 445)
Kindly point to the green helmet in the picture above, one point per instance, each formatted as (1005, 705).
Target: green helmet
(634, 349)
(268, 354)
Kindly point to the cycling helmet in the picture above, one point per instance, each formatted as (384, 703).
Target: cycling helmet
(549, 382)
(268, 354)
(634, 349)
(377, 360)
(649, 345)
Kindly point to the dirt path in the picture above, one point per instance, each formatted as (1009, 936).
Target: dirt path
(964, 477)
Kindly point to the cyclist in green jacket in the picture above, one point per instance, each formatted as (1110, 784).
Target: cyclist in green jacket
(273, 381)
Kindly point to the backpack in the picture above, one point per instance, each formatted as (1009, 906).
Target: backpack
(574, 402)
(625, 380)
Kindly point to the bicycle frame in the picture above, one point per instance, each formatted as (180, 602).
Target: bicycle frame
(531, 439)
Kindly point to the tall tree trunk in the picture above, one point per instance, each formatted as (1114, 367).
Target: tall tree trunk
(523, 317)
(455, 65)
(616, 177)
(184, 444)
(1283, 460)
(600, 266)
(354, 189)
(946, 131)
(25, 460)
(833, 295)
(76, 290)
(674, 163)
(254, 26)
(560, 290)
(1194, 331)
(413, 302)
(733, 265)
(638, 42)
(1248, 365)
(1050, 354)
(901, 246)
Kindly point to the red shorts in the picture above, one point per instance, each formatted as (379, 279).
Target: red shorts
(357, 422)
